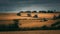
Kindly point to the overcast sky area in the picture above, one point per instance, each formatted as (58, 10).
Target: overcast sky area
(28, 5)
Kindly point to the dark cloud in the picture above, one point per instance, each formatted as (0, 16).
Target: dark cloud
(16, 5)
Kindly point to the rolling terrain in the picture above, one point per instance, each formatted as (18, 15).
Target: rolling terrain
(7, 18)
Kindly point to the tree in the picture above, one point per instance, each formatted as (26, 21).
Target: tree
(28, 11)
(18, 14)
(34, 12)
(56, 25)
(50, 11)
(44, 19)
(16, 21)
(58, 16)
(54, 17)
(21, 12)
(29, 15)
(35, 16)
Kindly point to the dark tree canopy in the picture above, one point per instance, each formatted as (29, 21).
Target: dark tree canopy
(35, 16)
(59, 16)
(21, 12)
(18, 14)
(42, 11)
(50, 11)
(54, 17)
(29, 15)
(28, 11)
(34, 11)
(56, 24)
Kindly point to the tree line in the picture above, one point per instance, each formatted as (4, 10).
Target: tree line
(49, 11)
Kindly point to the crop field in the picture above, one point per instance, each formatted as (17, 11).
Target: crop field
(44, 19)
(25, 21)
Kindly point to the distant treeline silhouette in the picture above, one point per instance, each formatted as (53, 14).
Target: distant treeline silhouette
(49, 11)
(36, 16)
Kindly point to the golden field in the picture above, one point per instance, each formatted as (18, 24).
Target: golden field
(7, 18)
(10, 16)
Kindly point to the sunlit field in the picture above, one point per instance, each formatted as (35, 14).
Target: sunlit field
(28, 25)
(7, 18)
(11, 16)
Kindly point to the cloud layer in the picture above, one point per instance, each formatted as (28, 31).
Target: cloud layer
(18, 5)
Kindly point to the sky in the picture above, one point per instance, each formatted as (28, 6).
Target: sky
(15, 6)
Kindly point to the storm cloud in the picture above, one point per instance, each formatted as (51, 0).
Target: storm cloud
(23, 5)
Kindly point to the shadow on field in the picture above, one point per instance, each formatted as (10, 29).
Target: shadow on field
(11, 27)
